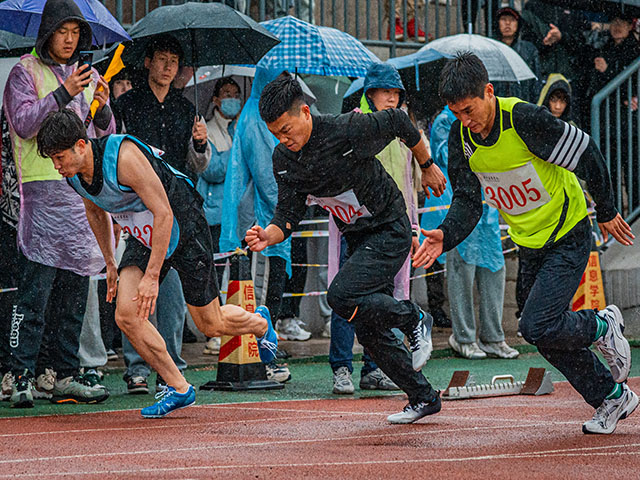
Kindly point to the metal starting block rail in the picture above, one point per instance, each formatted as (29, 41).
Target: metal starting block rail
(463, 385)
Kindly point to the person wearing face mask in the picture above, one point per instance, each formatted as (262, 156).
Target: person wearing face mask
(226, 104)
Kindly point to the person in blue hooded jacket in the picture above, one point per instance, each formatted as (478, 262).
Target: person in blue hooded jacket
(227, 105)
(479, 257)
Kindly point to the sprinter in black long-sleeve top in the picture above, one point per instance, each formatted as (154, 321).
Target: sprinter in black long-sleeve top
(330, 161)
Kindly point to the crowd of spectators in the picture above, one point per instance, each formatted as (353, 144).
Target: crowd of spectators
(49, 257)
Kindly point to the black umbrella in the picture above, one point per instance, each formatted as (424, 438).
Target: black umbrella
(608, 7)
(209, 33)
(12, 45)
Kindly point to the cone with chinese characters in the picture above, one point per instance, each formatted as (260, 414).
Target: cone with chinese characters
(239, 365)
(590, 293)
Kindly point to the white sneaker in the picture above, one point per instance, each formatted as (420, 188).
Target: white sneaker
(498, 349)
(613, 346)
(290, 329)
(212, 347)
(342, 383)
(420, 342)
(7, 386)
(43, 387)
(466, 350)
(411, 413)
(326, 331)
(277, 373)
(607, 415)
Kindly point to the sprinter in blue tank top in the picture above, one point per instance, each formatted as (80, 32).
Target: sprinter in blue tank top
(161, 211)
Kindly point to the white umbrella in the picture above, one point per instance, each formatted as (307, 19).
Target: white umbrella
(501, 61)
(207, 76)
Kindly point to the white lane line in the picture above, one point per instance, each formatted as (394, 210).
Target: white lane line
(272, 442)
(569, 452)
(146, 427)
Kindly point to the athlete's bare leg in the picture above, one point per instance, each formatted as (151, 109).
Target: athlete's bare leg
(142, 334)
(215, 321)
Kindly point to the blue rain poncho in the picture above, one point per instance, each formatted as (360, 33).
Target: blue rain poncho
(483, 246)
(253, 145)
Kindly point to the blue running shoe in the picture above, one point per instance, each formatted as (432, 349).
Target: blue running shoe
(267, 344)
(169, 400)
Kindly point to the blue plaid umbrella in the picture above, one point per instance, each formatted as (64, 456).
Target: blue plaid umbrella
(307, 48)
(22, 17)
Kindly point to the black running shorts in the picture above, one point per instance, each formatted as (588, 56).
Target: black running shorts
(192, 259)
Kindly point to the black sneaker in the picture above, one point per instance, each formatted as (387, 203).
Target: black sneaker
(282, 354)
(90, 377)
(160, 384)
(411, 413)
(440, 319)
(137, 385)
(187, 335)
(21, 394)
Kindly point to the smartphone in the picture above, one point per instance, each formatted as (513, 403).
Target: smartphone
(86, 58)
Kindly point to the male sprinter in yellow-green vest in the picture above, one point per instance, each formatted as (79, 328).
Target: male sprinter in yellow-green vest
(523, 159)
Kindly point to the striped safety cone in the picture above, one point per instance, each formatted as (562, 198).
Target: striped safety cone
(590, 293)
(239, 365)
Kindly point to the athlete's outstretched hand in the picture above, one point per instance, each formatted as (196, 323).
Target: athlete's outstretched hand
(430, 249)
(146, 297)
(433, 178)
(620, 230)
(257, 238)
(112, 282)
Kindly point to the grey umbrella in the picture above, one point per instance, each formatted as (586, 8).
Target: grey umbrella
(501, 61)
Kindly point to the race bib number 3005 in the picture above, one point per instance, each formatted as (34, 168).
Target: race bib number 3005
(345, 206)
(514, 192)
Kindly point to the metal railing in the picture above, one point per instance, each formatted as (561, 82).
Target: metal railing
(615, 128)
(367, 20)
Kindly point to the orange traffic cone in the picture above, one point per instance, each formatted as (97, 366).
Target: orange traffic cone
(590, 293)
(239, 364)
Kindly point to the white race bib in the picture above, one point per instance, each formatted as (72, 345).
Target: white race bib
(514, 192)
(137, 224)
(345, 206)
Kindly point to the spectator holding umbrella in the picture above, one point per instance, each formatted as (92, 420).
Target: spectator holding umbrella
(59, 252)
(508, 31)
(158, 114)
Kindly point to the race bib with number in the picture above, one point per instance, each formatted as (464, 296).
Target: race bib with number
(345, 206)
(137, 224)
(514, 192)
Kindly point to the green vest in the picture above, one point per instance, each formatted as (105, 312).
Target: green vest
(31, 166)
(539, 201)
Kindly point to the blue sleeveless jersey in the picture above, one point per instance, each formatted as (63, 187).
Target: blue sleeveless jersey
(124, 204)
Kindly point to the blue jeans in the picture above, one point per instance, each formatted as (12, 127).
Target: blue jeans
(170, 310)
(343, 335)
(47, 319)
(549, 277)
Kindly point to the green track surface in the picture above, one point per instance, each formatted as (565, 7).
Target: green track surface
(312, 379)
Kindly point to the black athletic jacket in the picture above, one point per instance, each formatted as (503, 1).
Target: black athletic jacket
(542, 133)
(340, 156)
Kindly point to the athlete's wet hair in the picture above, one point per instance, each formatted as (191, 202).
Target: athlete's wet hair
(60, 131)
(279, 96)
(463, 76)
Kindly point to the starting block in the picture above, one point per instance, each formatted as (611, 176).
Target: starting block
(463, 386)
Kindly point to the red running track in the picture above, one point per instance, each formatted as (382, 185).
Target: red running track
(505, 437)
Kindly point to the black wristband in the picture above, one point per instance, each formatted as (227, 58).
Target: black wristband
(426, 164)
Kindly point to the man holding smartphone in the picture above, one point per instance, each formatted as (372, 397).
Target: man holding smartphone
(58, 249)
